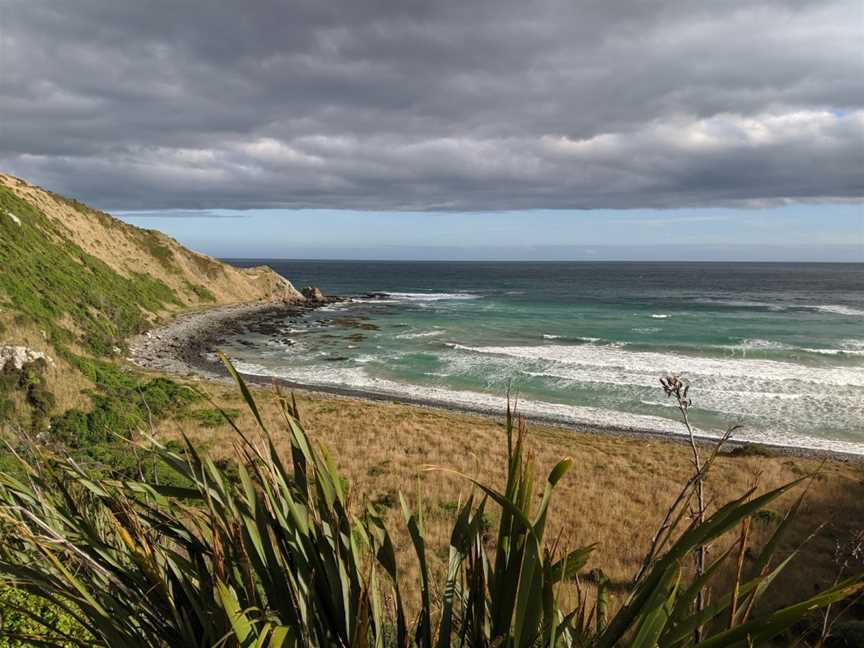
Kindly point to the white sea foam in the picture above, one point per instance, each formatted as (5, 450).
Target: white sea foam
(646, 329)
(660, 315)
(836, 309)
(780, 396)
(549, 336)
(666, 403)
(372, 300)
(758, 343)
(851, 348)
(836, 352)
(358, 378)
(427, 297)
(743, 303)
(764, 392)
(651, 363)
(287, 342)
(420, 334)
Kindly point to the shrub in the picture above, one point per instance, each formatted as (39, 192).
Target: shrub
(752, 450)
(40, 400)
(124, 407)
(213, 418)
(73, 428)
(201, 292)
(29, 381)
(385, 501)
(7, 409)
(151, 241)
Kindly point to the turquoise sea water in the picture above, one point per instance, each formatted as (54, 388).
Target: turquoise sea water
(777, 348)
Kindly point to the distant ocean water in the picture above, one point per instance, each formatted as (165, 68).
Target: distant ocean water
(777, 348)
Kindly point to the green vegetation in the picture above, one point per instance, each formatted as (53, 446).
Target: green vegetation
(51, 283)
(27, 620)
(277, 557)
(752, 450)
(201, 292)
(151, 241)
(213, 418)
(122, 403)
(119, 412)
(30, 382)
(72, 295)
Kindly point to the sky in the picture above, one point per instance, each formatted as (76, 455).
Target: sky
(449, 129)
(719, 234)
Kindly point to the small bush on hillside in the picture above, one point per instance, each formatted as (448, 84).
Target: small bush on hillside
(752, 450)
(213, 418)
(151, 241)
(124, 407)
(201, 292)
(7, 409)
(29, 381)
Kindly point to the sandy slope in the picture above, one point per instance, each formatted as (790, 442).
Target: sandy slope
(130, 249)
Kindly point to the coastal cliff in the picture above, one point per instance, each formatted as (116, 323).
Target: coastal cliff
(194, 278)
(76, 284)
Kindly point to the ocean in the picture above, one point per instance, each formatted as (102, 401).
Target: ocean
(775, 348)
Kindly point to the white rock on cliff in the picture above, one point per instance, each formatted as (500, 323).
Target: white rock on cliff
(14, 218)
(18, 356)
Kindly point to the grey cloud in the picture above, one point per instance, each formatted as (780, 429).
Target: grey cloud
(177, 213)
(488, 104)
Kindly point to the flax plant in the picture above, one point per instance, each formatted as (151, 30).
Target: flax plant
(281, 555)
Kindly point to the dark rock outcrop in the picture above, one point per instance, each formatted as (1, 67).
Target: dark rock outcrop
(314, 294)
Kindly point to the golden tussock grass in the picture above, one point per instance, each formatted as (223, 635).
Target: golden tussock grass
(616, 495)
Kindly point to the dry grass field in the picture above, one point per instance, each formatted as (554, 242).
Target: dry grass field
(616, 495)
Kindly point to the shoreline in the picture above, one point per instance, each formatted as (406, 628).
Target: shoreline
(179, 347)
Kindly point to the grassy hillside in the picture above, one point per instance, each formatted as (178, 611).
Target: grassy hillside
(131, 251)
(75, 283)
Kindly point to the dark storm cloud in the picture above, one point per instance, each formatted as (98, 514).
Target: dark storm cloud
(453, 105)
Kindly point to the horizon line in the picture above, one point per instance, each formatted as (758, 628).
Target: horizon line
(407, 260)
